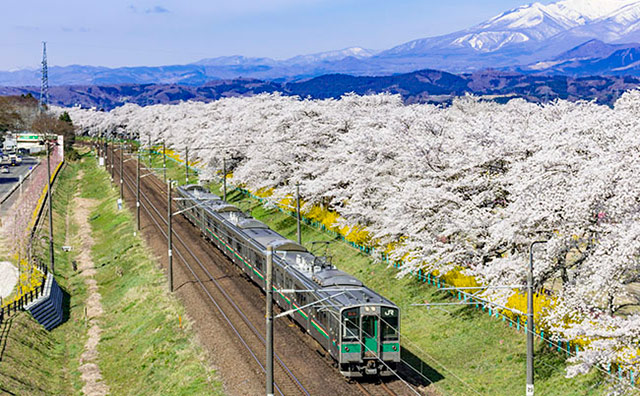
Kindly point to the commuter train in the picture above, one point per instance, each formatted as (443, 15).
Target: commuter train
(356, 326)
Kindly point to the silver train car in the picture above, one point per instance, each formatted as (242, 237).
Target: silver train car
(356, 326)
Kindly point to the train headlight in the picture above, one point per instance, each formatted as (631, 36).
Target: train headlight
(346, 349)
(395, 348)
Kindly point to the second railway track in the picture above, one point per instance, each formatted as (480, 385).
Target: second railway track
(304, 373)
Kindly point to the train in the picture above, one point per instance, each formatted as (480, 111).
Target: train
(357, 327)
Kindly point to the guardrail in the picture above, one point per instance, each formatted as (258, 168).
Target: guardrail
(48, 286)
(26, 298)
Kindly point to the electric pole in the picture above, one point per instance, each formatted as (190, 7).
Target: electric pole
(224, 180)
(169, 216)
(530, 327)
(298, 211)
(164, 161)
(269, 342)
(138, 192)
(121, 172)
(186, 163)
(51, 258)
(112, 160)
(44, 101)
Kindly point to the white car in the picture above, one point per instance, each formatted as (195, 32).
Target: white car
(4, 169)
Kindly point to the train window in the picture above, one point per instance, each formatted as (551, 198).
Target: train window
(389, 324)
(350, 325)
(369, 324)
(322, 317)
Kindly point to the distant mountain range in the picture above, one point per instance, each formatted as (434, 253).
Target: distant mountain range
(570, 37)
(426, 86)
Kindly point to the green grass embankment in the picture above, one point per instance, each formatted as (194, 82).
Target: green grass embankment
(34, 361)
(464, 351)
(143, 349)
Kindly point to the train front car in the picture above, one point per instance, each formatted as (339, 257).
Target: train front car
(370, 339)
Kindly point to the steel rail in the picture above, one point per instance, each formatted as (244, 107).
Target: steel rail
(387, 389)
(215, 303)
(288, 372)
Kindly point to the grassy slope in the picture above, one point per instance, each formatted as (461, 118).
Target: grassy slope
(43, 362)
(464, 351)
(143, 349)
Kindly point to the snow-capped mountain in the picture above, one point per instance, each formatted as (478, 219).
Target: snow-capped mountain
(528, 38)
(532, 24)
(328, 56)
(353, 52)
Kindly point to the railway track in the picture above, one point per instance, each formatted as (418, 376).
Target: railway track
(183, 253)
(375, 389)
(208, 267)
(197, 256)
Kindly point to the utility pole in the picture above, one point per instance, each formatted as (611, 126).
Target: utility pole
(138, 192)
(121, 172)
(51, 258)
(112, 160)
(269, 343)
(298, 212)
(169, 216)
(224, 179)
(164, 161)
(186, 163)
(530, 327)
(104, 151)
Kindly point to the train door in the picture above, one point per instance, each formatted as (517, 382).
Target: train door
(370, 336)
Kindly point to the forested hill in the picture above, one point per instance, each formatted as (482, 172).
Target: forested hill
(425, 86)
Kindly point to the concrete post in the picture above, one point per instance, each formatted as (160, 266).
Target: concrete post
(269, 299)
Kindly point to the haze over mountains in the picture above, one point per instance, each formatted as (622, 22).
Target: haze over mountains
(572, 37)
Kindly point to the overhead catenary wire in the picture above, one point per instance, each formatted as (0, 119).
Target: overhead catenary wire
(218, 286)
(330, 311)
(569, 352)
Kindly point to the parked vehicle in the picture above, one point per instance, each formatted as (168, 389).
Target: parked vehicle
(4, 169)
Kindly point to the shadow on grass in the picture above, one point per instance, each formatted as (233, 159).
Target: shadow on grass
(66, 305)
(4, 336)
(416, 371)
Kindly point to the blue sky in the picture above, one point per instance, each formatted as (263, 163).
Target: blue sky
(162, 32)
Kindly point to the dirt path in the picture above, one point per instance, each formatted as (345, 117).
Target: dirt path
(93, 384)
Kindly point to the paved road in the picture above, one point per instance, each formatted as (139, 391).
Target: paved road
(8, 180)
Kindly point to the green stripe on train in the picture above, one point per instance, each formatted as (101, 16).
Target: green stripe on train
(353, 348)
(389, 347)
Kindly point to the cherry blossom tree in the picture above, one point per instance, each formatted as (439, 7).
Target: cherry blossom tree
(464, 187)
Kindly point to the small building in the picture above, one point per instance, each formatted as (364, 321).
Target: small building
(29, 141)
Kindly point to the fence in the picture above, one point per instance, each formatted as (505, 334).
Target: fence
(27, 223)
(26, 298)
(562, 346)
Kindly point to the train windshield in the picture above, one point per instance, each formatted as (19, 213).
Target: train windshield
(350, 325)
(389, 324)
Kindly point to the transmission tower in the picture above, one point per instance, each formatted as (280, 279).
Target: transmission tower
(44, 88)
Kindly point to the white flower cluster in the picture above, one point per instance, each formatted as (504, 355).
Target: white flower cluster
(467, 186)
